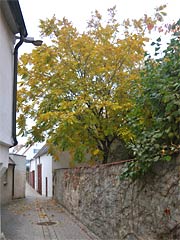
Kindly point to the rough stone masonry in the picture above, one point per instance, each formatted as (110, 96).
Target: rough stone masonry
(114, 209)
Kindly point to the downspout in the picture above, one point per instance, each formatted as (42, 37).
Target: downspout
(13, 180)
(15, 142)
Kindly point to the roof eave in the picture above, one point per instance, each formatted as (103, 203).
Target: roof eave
(42, 151)
(13, 14)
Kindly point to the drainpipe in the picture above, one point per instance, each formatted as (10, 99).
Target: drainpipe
(13, 180)
(35, 43)
(15, 142)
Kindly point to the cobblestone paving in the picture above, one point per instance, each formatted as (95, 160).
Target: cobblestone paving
(38, 218)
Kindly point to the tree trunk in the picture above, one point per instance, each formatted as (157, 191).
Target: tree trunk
(105, 146)
(106, 149)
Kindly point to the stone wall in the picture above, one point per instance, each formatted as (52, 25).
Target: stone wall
(147, 209)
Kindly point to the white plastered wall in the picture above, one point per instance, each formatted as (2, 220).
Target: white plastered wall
(46, 161)
(6, 82)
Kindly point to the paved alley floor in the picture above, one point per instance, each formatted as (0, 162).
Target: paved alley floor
(39, 218)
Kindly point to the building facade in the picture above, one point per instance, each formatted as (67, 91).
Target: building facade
(13, 181)
(42, 167)
(11, 23)
(19, 180)
(7, 183)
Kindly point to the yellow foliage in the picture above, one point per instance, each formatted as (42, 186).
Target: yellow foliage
(96, 152)
(78, 87)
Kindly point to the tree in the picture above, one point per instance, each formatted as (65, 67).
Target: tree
(77, 88)
(155, 120)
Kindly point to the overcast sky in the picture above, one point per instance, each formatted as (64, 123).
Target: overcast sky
(79, 11)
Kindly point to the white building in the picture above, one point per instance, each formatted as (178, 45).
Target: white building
(11, 23)
(14, 179)
(7, 183)
(41, 170)
(28, 151)
(19, 180)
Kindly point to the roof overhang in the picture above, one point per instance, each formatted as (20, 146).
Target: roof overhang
(42, 151)
(13, 15)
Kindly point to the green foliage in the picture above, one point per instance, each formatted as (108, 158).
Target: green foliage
(156, 118)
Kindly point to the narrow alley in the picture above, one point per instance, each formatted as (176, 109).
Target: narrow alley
(40, 218)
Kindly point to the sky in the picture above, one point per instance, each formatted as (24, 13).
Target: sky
(79, 11)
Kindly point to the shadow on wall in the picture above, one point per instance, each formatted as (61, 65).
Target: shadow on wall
(147, 208)
(119, 152)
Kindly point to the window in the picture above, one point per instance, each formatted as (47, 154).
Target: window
(35, 150)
